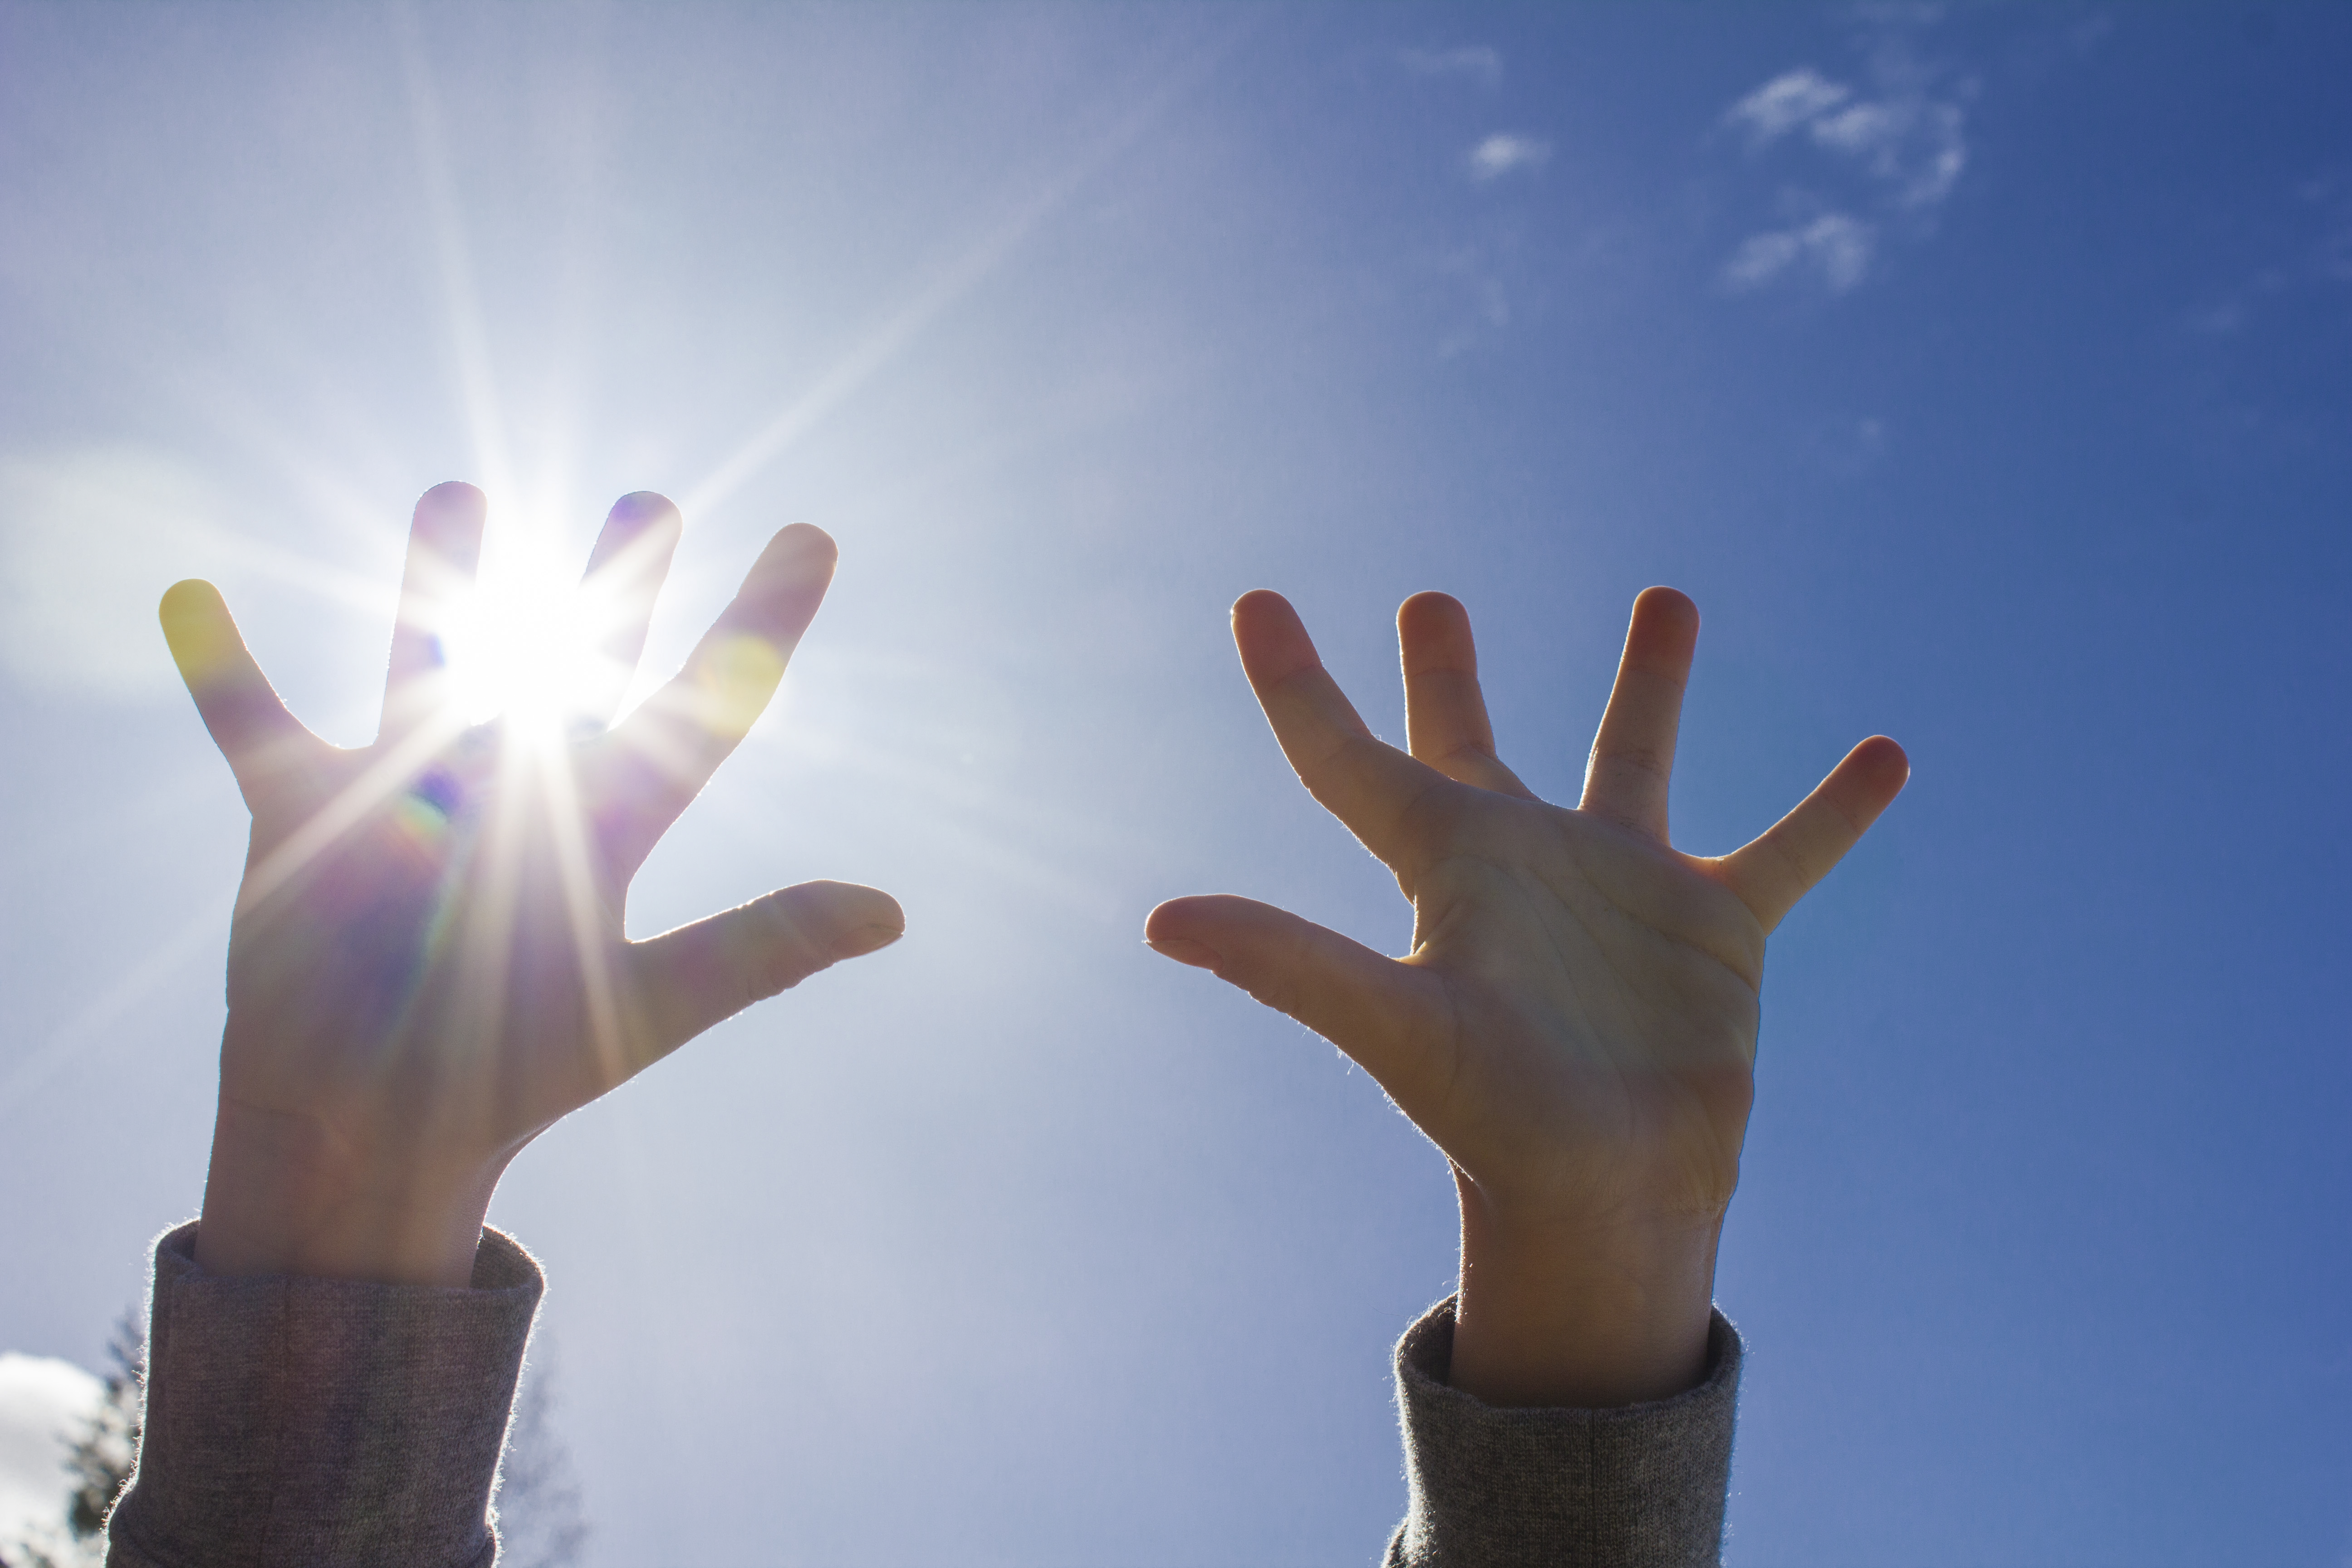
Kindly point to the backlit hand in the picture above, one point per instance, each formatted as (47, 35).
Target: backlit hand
(428, 966)
(1575, 1025)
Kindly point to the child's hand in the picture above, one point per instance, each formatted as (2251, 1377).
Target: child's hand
(1576, 1023)
(427, 967)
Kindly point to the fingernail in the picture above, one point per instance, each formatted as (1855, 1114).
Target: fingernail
(864, 940)
(1183, 951)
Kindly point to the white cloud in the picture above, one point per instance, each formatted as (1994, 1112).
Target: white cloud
(1908, 139)
(1785, 102)
(1888, 154)
(1499, 154)
(43, 1402)
(89, 538)
(1472, 62)
(1914, 145)
(1837, 246)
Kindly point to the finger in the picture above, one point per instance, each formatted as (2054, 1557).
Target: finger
(686, 980)
(1633, 754)
(445, 545)
(1367, 785)
(1776, 871)
(624, 574)
(248, 721)
(1444, 711)
(661, 755)
(1392, 1019)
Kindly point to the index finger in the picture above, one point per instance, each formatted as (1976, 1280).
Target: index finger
(1368, 785)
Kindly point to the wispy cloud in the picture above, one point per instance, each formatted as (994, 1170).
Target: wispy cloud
(1915, 145)
(1785, 102)
(1836, 245)
(91, 536)
(1474, 63)
(1896, 144)
(2311, 265)
(1501, 154)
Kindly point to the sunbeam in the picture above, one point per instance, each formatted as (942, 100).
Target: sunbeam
(568, 826)
(467, 338)
(195, 936)
(977, 262)
(395, 771)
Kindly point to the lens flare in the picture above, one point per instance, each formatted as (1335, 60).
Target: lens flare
(525, 650)
(525, 644)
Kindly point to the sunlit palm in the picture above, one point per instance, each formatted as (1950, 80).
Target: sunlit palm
(429, 962)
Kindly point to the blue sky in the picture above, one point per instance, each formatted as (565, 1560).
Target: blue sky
(1986, 376)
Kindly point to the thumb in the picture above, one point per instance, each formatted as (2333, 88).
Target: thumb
(1392, 1018)
(688, 979)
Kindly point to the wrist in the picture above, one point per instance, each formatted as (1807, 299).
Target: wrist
(287, 1194)
(1575, 1311)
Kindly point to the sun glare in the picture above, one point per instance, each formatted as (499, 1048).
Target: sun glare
(524, 644)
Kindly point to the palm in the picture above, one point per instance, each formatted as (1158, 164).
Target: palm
(428, 949)
(1575, 1025)
(1601, 1006)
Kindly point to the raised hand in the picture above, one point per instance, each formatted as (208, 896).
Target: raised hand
(1575, 1027)
(428, 966)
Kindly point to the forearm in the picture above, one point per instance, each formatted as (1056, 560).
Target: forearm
(1576, 1313)
(288, 1195)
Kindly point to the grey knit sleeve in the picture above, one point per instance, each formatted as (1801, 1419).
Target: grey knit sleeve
(323, 1421)
(1639, 1487)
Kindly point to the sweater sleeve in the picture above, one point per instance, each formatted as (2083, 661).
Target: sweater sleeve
(323, 1421)
(1639, 1487)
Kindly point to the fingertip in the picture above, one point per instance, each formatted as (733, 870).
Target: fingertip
(453, 496)
(1885, 754)
(1187, 917)
(1662, 637)
(1166, 919)
(197, 627)
(1259, 600)
(1191, 954)
(646, 509)
(859, 941)
(858, 920)
(449, 522)
(1667, 609)
(188, 597)
(1431, 603)
(1173, 929)
(855, 903)
(804, 541)
(1434, 632)
(1883, 764)
(1661, 598)
(1431, 612)
(793, 572)
(1270, 638)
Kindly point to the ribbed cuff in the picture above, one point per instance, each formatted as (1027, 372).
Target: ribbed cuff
(295, 1421)
(1637, 1487)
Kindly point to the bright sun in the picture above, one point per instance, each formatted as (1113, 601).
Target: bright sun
(525, 643)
